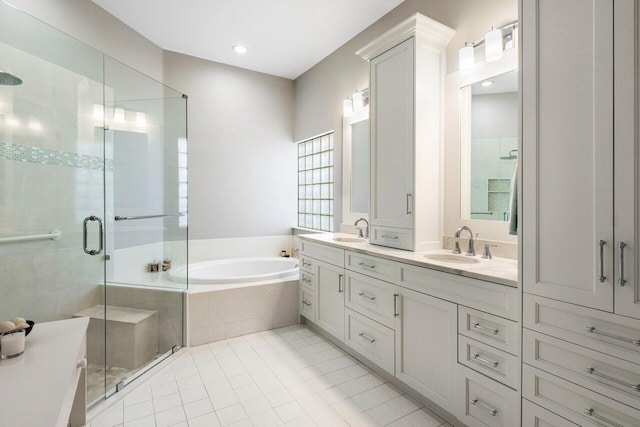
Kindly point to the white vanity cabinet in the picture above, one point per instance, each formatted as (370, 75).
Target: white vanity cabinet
(581, 193)
(330, 299)
(426, 345)
(573, 151)
(406, 86)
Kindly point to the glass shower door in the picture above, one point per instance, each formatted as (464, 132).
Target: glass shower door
(51, 179)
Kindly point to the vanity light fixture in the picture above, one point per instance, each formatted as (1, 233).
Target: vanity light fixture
(466, 55)
(358, 101)
(495, 41)
(355, 103)
(240, 49)
(493, 46)
(347, 107)
(98, 112)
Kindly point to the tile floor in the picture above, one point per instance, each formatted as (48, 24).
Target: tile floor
(289, 376)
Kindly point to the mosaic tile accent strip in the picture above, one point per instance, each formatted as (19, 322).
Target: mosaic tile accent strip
(45, 156)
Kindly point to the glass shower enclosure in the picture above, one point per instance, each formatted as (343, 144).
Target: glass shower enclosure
(93, 198)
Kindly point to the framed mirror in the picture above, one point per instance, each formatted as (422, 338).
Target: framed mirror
(355, 166)
(488, 146)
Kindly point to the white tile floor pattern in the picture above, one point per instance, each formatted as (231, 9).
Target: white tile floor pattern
(289, 376)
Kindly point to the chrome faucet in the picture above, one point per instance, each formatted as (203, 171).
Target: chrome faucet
(471, 250)
(366, 236)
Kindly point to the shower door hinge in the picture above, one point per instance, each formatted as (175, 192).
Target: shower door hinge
(107, 257)
(119, 386)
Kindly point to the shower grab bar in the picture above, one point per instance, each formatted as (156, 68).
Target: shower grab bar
(132, 218)
(53, 235)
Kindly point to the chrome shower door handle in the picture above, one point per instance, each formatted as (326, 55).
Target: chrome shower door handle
(602, 277)
(88, 251)
(621, 280)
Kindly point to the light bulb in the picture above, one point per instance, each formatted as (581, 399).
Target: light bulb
(466, 57)
(239, 49)
(486, 84)
(493, 45)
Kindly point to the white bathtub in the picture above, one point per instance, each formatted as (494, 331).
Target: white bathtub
(237, 271)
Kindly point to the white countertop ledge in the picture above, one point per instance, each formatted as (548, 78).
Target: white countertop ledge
(502, 271)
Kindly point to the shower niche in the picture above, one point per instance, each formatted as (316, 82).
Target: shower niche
(96, 150)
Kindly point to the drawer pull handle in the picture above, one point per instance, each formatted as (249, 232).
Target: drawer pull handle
(593, 330)
(305, 280)
(369, 297)
(386, 236)
(340, 287)
(395, 305)
(621, 280)
(592, 371)
(482, 328)
(592, 413)
(306, 264)
(308, 304)
(408, 204)
(477, 357)
(367, 337)
(362, 264)
(492, 412)
(602, 277)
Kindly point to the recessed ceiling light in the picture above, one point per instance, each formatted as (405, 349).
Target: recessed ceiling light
(487, 83)
(240, 49)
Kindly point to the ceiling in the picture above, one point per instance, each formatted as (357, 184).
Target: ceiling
(284, 37)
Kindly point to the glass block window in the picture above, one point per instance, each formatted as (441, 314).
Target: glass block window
(182, 182)
(315, 183)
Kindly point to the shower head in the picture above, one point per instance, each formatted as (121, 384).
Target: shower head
(8, 79)
(513, 155)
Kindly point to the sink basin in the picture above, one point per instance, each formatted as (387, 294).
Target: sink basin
(452, 258)
(349, 239)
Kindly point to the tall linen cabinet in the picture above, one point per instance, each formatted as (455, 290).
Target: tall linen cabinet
(407, 66)
(581, 213)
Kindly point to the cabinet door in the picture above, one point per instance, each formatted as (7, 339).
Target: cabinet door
(567, 159)
(627, 155)
(330, 308)
(426, 346)
(392, 135)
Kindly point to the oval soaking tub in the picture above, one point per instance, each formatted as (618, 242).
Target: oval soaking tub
(236, 270)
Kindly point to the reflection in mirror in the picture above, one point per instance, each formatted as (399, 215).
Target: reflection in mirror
(356, 167)
(489, 146)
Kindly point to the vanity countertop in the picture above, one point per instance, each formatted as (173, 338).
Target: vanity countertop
(502, 271)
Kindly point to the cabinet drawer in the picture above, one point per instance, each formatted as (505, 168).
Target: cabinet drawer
(392, 237)
(308, 303)
(308, 280)
(497, 332)
(575, 403)
(371, 266)
(536, 416)
(484, 402)
(370, 297)
(322, 252)
(307, 264)
(489, 297)
(599, 372)
(371, 339)
(617, 336)
(502, 367)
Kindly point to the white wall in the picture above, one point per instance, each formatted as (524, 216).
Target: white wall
(242, 162)
(319, 92)
(92, 25)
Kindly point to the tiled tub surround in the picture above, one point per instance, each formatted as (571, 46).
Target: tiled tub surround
(216, 315)
(289, 376)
